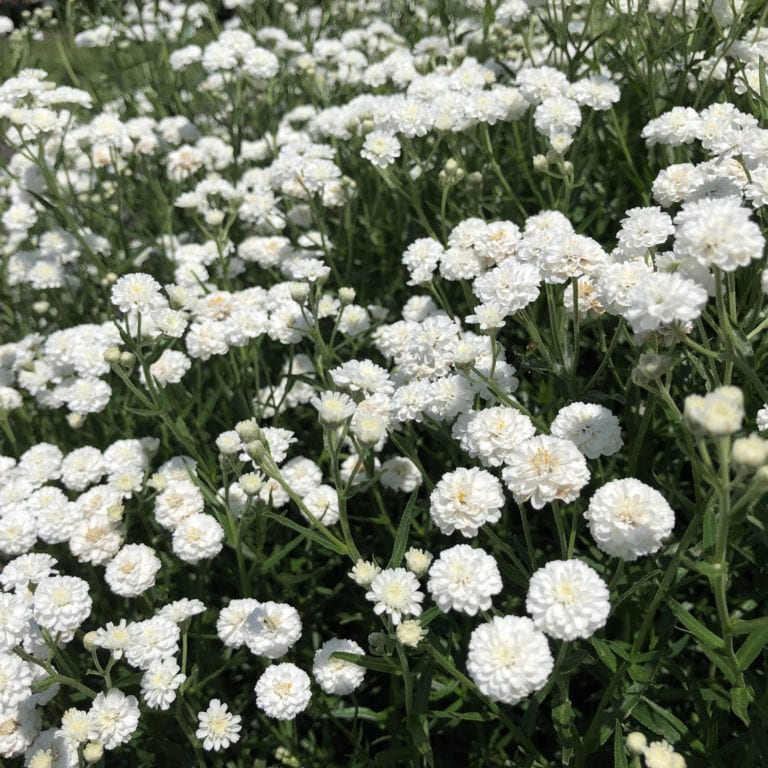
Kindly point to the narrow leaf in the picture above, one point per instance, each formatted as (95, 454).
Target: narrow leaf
(740, 701)
(619, 751)
(706, 637)
(604, 653)
(752, 646)
(369, 662)
(403, 530)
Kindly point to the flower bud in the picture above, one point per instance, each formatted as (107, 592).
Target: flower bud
(636, 742)
(347, 295)
(112, 355)
(749, 453)
(93, 752)
(248, 430)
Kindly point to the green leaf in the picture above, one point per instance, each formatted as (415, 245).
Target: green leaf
(477, 717)
(403, 530)
(339, 549)
(563, 718)
(430, 615)
(420, 739)
(649, 718)
(740, 701)
(753, 645)
(706, 637)
(369, 662)
(619, 751)
(604, 653)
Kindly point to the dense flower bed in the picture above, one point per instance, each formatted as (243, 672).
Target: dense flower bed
(381, 383)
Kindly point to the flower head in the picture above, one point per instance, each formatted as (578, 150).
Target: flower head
(396, 592)
(567, 599)
(217, 727)
(509, 658)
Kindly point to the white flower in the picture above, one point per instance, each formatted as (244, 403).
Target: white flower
(150, 640)
(113, 718)
(364, 572)
(761, 419)
(15, 680)
(492, 434)
(133, 570)
(74, 726)
(509, 658)
(283, 691)
(628, 518)
(593, 429)
(137, 292)
(395, 592)
(718, 413)
(271, 629)
(567, 599)
(217, 727)
(418, 561)
(382, 149)
(230, 626)
(545, 469)
(662, 298)
(160, 681)
(198, 537)
(61, 604)
(333, 408)
(15, 614)
(400, 474)
(323, 503)
(464, 500)
(718, 232)
(464, 579)
(336, 675)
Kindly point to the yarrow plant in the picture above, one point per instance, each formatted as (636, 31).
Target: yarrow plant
(383, 383)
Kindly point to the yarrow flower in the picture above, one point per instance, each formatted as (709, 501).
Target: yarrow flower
(545, 469)
(283, 691)
(137, 292)
(336, 675)
(567, 599)
(217, 727)
(464, 500)
(113, 718)
(509, 658)
(271, 629)
(593, 429)
(464, 579)
(628, 519)
(718, 232)
(381, 149)
(395, 592)
(132, 570)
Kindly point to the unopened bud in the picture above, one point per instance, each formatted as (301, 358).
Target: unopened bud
(347, 295)
(93, 752)
(248, 430)
(89, 641)
(540, 162)
(127, 359)
(636, 742)
(475, 178)
(299, 292)
(112, 355)
(256, 449)
(40, 307)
